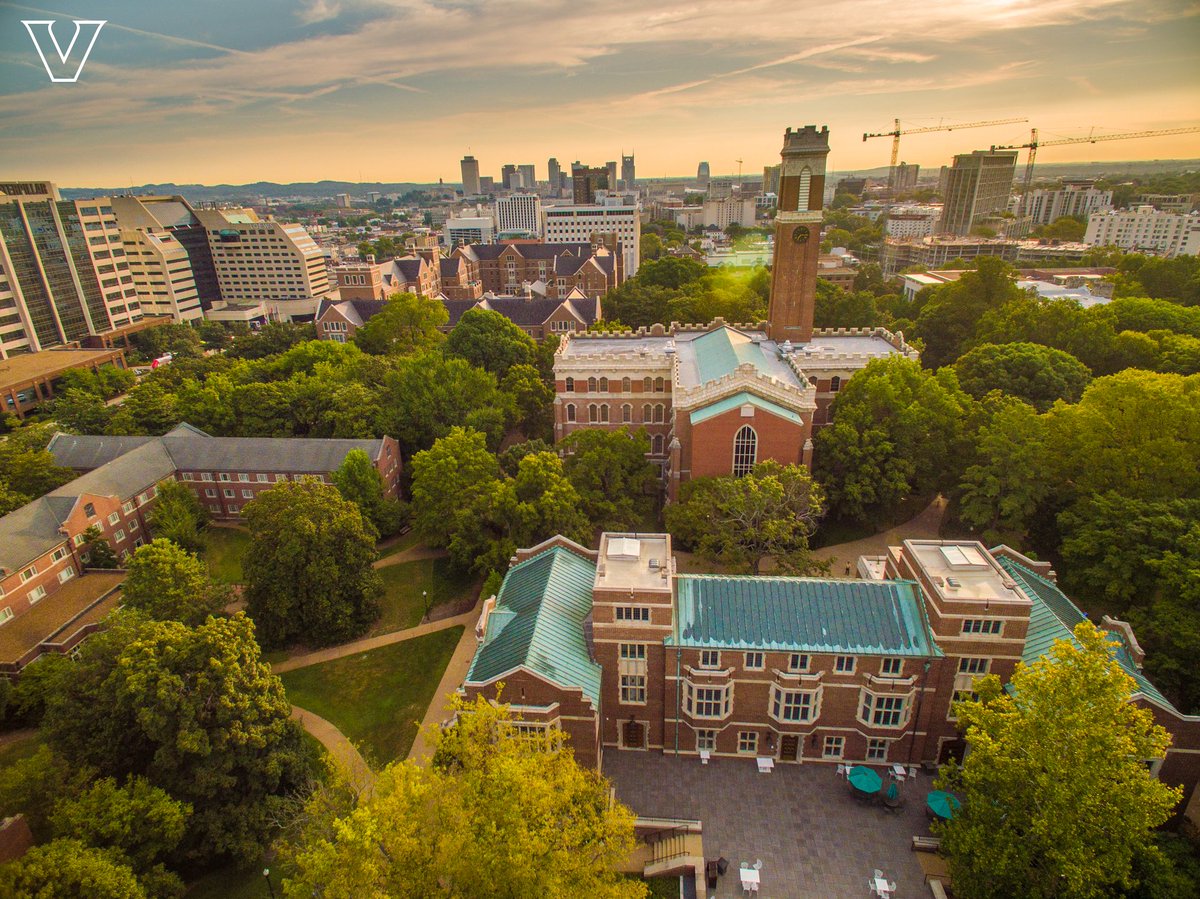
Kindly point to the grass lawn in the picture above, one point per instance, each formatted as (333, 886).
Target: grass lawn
(376, 698)
(408, 541)
(403, 606)
(11, 753)
(234, 883)
(223, 550)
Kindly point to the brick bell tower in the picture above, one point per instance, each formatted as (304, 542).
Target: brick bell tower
(797, 234)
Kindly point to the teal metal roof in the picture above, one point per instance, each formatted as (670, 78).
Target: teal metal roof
(803, 615)
(538, 624)
(1053, 617)
(740, 399)
(721, 351)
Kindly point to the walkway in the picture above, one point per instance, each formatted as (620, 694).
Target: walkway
(456, 673)
(412, 554)
(344, 753)
(925, 526)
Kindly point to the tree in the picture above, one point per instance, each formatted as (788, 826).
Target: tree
(81, 412)
(499, 813)
(1040, 375)
(66, 869)
(167, 582)
(407, 324)
(489, 340)
(27, 468)
(198, 713)
(358, 480)
(837, 308)
(179, 516)
(150, 408)
(308, 571)
(948, 320)
(1057, 799)
(96, 551)
(446, 479)
(611, 474)
(533, 399)
(1065, 227)
(740, 520)
(897, 431)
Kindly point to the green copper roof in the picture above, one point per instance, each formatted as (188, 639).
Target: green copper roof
(538, 623)
(1054, 617)
(803, 614)
(721, 351)
(740, 399)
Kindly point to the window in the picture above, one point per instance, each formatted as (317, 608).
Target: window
(973, 666)
(604, 412)
(647, 384)
(627, 413)
(657, 445)
(66, 574)
(891, 667)
(28, 574)
(570, 385)
(78, 539)
(206, 476)
(798, 661)
(229, 493)
(592, 385)
(243, 477)
(59, 554)
(570, 411)
(982, 626)
(706, 741)
(119, 535)
(89, 510)
(210, 492)
(647, 412)
(658, 385)
(6, 614)
(632, 670)
(114, 518)
(36, 594)
(710, 658)
(754, 661)
(626, 385)
(748, 741)
(882, 711)
(659, 413)
(133, 524)
(745, 451)
(127, 508)
(604, 385)
(633, 613)
(262, 478)
(793, 705)
(835, 384)
(706, 702)
(844, 664)
(877, 749)
(224, 476)
(833, 747)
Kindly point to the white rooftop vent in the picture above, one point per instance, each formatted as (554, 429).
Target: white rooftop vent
(654, 564)
(953, 583)
(624, 549)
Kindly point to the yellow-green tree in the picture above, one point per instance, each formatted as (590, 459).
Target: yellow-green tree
(1057, 799)
(498, 813)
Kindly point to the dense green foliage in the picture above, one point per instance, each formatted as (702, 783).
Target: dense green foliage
(407, 324)
(490, 341)
(358, 480)
(167, 582)
(612, 475)
(1037, 374)
(684, 290)
(179, 516)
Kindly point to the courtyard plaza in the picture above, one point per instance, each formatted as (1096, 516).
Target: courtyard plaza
(814, 838)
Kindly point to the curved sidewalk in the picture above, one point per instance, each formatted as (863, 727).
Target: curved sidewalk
(924, 526)
(345, 754)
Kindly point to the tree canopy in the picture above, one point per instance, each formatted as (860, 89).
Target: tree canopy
(167, 582)
(408, 323)
(358, 480)
(487, 339)
(64, 869)
(179, 516)
(1038, 374)
(612, 475)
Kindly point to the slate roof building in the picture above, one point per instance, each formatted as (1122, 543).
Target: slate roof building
(618, 650)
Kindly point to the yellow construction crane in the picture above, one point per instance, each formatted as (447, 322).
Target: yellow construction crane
(1034, 143)
(895, 133)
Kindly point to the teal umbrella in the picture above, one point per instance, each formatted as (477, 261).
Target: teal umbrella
(942, 804)
(864, 779)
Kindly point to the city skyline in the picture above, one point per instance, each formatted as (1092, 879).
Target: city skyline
(401, 90)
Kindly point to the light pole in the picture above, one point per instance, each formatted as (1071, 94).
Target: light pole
(267, 877)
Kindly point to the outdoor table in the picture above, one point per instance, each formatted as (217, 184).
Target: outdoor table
(865, 780)
(749, 878)
(882, 887)
(942, 804)
(898, 772)
(765, 764)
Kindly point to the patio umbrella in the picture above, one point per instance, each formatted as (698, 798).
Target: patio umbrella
(864, 779)
(942, 804)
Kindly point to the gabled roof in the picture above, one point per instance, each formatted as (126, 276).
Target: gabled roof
(490, 251)
(410, 267)
(254, 454)
(354, 311)
(1053, 617)
(456, 308)
(538, 624)
(740, 399)
(521, 311)
(803, 615)
(90, 452)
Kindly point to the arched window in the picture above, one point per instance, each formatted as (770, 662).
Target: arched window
(745, 451)
(658, 385)
(657, 446)
(591, 385)
(647, 384)
(593, 412)
(570, 411)
(604, 385)
(805, 187)
(604, 412)
(627, 413)
(835, 384)
(570, 385)
(626, 384)
(646, 412)
(658, 412)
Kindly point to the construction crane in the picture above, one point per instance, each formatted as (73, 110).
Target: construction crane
(1034, 143)
(895, 133)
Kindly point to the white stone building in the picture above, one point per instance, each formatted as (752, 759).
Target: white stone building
(1145, 229)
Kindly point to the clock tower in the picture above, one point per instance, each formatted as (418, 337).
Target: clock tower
(797, 234)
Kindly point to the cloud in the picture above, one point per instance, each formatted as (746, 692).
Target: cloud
(319, 11)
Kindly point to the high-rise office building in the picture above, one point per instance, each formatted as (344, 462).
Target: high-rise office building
(976, 186)
(487, 185)
(507, 174)
(771, 179)
(173, 216)
(64, 274)
(703, 174)
(161, 268)
(554, 176)
(520, 213)
(628, 172)
(598, 223)
(528, 178)
(470, 175)
(904, 177)
(612, 175)
(1077, 198)
(265, 261)
(586, 181)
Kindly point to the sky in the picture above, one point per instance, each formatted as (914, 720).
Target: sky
(213, 91)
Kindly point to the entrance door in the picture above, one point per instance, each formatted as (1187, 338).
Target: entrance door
(789, 748)
(952, 750)
(633, 735)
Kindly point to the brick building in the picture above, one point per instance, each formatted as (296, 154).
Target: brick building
(715, 399)
(620, 651)
(560, 268)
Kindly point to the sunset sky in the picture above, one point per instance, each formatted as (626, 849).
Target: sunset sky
(400, 90)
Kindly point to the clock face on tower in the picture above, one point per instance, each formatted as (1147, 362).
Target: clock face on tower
(800, 235)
